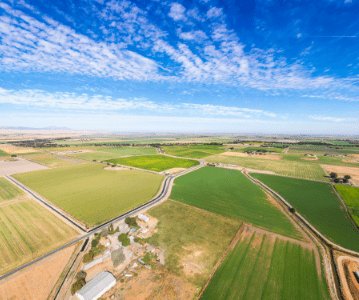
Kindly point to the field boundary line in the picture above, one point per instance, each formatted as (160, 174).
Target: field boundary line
(326, 248)
(52, 208)
(232, 244)
(163, 195)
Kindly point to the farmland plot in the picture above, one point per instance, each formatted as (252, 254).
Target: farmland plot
(350, 195)
(193, 151)
(266, 267)
(230, 193)
(27, 230)
(92, 194)
(318, 203)
(155, 163)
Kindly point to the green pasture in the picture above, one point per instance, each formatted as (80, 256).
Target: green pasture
(350, 195)
(155, 163)
(318, 203)
(92, 194)
(230, 193)
(8, 191)
(260, 268)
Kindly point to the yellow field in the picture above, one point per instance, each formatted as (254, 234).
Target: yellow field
(28, 230)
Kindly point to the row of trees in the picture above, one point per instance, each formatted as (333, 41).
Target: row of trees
(334, 177)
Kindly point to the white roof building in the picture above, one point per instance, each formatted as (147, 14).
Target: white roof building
(143, 217)
(97, 286)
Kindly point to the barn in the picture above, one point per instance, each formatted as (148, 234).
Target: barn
(97, 286)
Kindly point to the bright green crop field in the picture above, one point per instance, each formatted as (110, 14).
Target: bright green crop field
(2, 153)
(92, 194)
(230, 193)
(155, 163)
(318, 203)
(193, 151)
(300, 169)
(261, 267)
(103, 153)
(350, 195)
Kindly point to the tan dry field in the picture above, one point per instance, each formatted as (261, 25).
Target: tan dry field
(341, 171)
(10, 167)
(259, 156)
(350, 286)
(153, 284)
(36, 282)
(11, 149)
(352, 158)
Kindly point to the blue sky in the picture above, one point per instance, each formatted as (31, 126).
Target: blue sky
(181, 66)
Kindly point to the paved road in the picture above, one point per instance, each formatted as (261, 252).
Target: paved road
(166, 189)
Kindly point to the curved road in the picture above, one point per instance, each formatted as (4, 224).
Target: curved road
(166, 189)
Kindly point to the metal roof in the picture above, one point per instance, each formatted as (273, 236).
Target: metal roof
(97, 286)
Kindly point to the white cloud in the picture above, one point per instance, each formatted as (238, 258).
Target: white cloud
(214, 12)
(177, 12)
(197, 35)
(100, 103)
(331, 119)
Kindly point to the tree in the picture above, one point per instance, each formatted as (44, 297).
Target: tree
(124, 239)
(77, 285)
(333, 175)
(131, 222)
(347, 177)
(81, 275)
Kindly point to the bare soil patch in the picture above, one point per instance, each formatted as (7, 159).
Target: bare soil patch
(350, 286)
(18, 166)
(352, 158)
(193, 262)
(115, 168)
(153, 284)
(341, 171)
(259, 156)
(175, 170)
(36, 282)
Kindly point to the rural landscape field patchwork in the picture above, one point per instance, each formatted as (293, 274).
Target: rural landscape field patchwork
(213, 233)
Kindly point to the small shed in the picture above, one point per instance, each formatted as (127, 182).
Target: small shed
(143, 218)
(97, 286)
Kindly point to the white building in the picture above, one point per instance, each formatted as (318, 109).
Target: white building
(143, 217)
(97, 286)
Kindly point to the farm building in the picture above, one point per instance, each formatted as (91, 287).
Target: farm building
(97, 286)
(143, 218)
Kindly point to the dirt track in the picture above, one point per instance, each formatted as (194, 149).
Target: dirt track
(350, 287)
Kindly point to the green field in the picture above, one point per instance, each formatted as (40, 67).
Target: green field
(2, 153)
(350, 195)
(92, 194)
(155, 163)
(103, 153)
(7, 190)
(300, 169)
(199, 231)
(318, 203)
(193, 151)
(261, 267)
(230, 193)
(27, 230)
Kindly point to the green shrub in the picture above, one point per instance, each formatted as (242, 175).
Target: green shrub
(124, 239)
(131, 222)
(77, 285)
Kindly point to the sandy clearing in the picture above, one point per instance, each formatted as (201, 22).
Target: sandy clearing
(115, 168)
(36, 282)
(194, 261)
(259, 156)
(19, 165)
(11, 149)
(352, 158)
(174, 170)
(350, 286)
(153, 284)
(341, 171)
